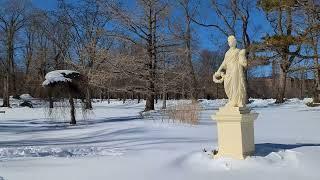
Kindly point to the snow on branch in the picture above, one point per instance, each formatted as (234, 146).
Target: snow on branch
(59, 76)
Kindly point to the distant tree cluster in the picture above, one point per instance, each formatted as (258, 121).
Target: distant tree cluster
(149, 49)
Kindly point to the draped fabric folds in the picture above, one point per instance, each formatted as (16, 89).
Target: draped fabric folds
(234, 79)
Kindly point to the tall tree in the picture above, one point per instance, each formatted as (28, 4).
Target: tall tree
(143, 28)
(286, 43)
(189, 9)
(88, 33)
(312, 9)
(232, 17)
(13, 15)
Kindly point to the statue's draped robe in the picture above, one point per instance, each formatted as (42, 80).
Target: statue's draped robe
(234, 80)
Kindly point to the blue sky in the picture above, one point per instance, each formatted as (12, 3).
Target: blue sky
(45, 4)
(208, 37)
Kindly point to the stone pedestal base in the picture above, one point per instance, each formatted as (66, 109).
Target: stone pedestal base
(235, 132)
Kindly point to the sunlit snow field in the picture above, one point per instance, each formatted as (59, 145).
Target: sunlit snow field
(113, 142)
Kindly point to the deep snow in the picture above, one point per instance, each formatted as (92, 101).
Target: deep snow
(115, 143)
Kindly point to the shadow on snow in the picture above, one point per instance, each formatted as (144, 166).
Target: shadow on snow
(264, 149)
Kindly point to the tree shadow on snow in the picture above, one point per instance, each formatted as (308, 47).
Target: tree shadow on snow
(41, 125)
(126, 137)
(264, 149)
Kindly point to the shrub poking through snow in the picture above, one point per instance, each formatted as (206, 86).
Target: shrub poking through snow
(184, 112)
(65, 84)
(312, 104)
(26, 104)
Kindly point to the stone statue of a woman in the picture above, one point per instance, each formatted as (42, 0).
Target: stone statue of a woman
(234, 80)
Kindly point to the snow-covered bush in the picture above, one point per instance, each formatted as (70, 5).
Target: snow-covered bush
(65, 84)
(184, 112)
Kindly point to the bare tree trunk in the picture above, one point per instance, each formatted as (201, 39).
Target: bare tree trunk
(150, 87)
(302, 86)
(11, 63)
(108, 96)
(139, 98)
(282, 86)
(274, 78)
(285, 61)
(72, 110)
(316, 90)
(151, 65)
(9, 73)
(14, 83)
(191, 73)
(50, 98)
(124, 97)
(150, 96)
(101, 95)
(88, 104)
(6, 100)
(164, 100)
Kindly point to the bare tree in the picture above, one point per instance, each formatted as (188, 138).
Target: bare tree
(312, 10)
(12, 20)
(87, 22)
(233, 16)
(190, 9)
(143, 28)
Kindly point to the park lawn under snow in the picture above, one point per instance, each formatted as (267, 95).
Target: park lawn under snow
(115, 143)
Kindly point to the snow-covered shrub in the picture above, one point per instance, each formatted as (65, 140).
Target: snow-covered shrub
(184, 112)
(26, 97)
(311, 104)
(65, 84)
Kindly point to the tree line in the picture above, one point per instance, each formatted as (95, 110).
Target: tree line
(149, 49)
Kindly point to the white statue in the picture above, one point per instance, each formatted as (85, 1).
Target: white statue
(234, 80)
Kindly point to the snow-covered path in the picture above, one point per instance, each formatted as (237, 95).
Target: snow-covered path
(115, 143)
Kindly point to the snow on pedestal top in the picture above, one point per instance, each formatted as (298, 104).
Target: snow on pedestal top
(58, 76)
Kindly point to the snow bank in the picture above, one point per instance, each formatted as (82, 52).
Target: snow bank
(37, 151)
(58, 76)
(254, 103)
(26, 97)
(259, 103)
(203, 162)
(213, 103)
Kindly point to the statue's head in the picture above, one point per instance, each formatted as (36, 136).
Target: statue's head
(232, 41)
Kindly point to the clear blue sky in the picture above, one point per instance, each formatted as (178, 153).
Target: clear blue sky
(209, 38)
(45, 4)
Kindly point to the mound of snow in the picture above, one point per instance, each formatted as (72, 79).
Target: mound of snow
(203, 161)
(258, 103)
(26, 97)
(36, 151)
(212, 104)
(58, 76)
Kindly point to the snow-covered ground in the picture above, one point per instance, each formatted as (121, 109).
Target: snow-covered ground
(115, 143)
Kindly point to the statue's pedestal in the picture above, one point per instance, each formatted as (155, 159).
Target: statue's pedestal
(235, 132)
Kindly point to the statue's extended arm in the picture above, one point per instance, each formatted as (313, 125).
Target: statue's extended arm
(242, 58)
(219, 73)
(222, 66)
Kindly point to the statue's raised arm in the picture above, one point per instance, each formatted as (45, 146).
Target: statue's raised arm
(243, 58)
(234, 80)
